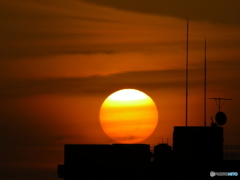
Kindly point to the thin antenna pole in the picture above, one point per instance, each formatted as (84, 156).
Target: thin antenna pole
(205, 80)
(187, 77)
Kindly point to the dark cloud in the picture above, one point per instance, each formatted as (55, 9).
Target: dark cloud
(219, 11)
(89, 85)
(33, 28)
(98, 85)
(38, 29)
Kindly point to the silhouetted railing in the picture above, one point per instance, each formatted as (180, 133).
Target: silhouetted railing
(231, 152)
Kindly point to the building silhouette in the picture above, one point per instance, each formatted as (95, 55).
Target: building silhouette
(199, 148)
(105, 161)
(196, 151)
(163, 158)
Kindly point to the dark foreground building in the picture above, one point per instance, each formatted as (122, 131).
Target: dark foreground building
(87, 161)
(196, 152)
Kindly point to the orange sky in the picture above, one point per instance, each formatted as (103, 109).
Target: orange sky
(60, 59)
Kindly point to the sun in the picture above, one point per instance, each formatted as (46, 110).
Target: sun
(128, 116)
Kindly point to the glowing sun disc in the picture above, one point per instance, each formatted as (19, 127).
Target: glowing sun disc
(128, 116)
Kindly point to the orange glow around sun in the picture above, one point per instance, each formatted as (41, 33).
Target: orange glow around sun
(128, 116)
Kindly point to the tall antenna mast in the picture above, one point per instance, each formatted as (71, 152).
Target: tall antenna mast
(187, 77)
(205, 80)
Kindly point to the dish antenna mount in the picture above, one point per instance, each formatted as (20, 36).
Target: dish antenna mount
(220, 117)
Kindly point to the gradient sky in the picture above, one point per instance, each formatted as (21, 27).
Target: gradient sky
(60, 59)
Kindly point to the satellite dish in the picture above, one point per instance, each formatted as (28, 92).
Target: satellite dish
(221, 118)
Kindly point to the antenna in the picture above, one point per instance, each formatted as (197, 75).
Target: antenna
(220, 117)
(205, 80)
(218, 102)
(187, 77)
